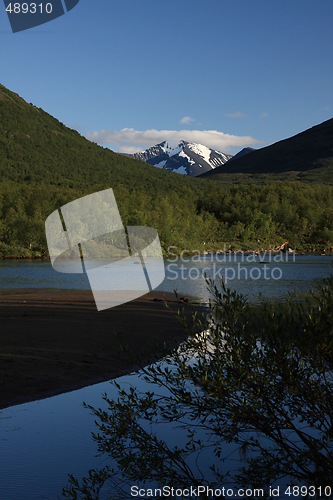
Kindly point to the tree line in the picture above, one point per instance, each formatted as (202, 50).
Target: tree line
(241, 217)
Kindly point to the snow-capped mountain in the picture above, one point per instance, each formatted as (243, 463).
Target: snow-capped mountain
(183, 157)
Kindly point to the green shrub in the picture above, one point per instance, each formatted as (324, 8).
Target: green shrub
(260, 379)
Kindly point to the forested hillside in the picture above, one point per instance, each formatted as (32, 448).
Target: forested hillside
(35, 147)
(44, 165)
(245, 217)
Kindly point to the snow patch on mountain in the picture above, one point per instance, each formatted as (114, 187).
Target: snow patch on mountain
(172, 148)
(200, 150)
(192, 162)
(160, 164)
(181, 170)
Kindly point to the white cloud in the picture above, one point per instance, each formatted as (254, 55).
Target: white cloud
(263, 115)
(187, 119)
(128, 149)
(238, 114)
(130, 140)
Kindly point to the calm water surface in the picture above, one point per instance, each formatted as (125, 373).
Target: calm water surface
(271, 276)
(43, 441)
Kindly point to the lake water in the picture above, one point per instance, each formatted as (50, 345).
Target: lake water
(43, 441)
(272, 276)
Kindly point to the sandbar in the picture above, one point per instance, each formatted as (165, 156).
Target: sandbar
(56, 341)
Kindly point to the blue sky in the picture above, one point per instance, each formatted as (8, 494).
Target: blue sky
(131, 73)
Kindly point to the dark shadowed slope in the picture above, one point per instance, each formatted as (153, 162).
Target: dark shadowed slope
(311, 150)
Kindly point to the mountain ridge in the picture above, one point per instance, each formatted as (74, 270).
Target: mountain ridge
(183, 157)
(242, 152)
(306, 151)
(37, 148)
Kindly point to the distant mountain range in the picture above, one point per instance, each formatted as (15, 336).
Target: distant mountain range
(183, 157)
(309, 154)
(36, 148)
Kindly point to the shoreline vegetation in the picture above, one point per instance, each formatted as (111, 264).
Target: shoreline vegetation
(185, 254)
(215, 218)
(252, 395)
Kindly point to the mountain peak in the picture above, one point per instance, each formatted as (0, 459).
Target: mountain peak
(183, 157)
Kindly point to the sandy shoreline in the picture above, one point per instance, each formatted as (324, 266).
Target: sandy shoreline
(56, 341)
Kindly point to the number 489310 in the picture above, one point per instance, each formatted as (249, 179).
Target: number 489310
(310, 491)
(31, 8)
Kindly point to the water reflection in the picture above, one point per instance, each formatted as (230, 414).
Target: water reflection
(43, 441)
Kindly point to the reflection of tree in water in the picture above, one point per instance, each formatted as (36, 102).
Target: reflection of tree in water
(260, 381)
